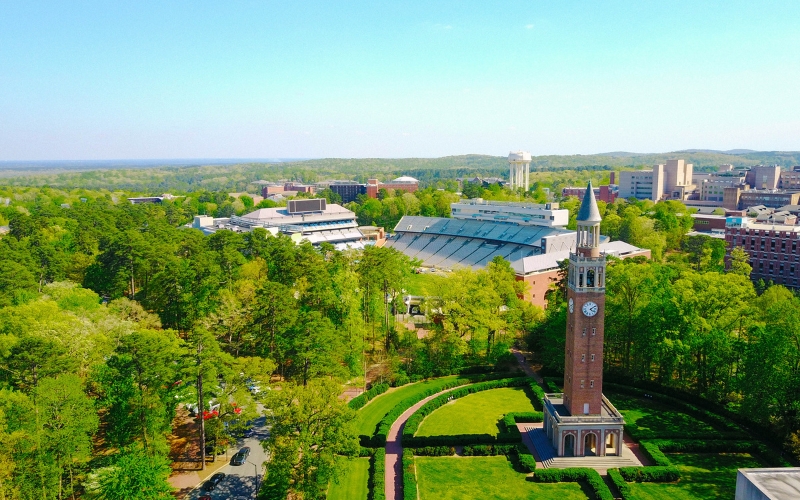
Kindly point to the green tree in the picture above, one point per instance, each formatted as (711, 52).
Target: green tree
(310, 427)
(134, 475)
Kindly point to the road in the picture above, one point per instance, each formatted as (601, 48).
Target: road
(240, 481)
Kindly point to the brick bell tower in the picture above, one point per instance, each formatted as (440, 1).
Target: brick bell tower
(580, 422)
(586, 298)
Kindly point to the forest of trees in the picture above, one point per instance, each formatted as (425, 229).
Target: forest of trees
(113, 316)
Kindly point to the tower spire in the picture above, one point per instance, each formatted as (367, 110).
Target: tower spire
(589, 211)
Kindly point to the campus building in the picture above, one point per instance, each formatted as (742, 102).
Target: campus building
(672, 180)
(350, 190)
(314, 221)
(773, 249)
(580, 421)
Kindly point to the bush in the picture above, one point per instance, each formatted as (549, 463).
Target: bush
(654, 453)
(658, 474)
(400, 379)
(377, 476)
(482, 450)
(409, 476)
(621, 484)
(526, 461)
(366, 452)
(572, 475)
(365, 397)
(434, 451)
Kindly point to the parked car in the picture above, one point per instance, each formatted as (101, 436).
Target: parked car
(213, 481)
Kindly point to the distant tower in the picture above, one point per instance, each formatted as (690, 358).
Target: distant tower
(581, 422)
(519, 163)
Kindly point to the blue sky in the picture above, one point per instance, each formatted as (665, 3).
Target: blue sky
(103, 80)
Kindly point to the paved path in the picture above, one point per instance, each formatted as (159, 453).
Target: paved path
(394, 450)
(240, 481)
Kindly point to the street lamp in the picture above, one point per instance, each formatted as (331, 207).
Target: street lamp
(255, 493)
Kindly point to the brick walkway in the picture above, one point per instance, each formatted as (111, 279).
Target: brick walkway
(394, 450)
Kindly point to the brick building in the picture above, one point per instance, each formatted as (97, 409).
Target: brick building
(773, 249)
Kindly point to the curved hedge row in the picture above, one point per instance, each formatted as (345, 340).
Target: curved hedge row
(379, 439)
(413, 423)
(573, 475)
(362, 399)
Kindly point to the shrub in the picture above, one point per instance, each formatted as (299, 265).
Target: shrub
(366, 452)
(434, 451)
(621, 484)
(526, 461)
(572, 475)
(400, 379)
(377, 476)
(658, 474)
(409, 476)
(482, 450)
(365, 397)
(654, 453)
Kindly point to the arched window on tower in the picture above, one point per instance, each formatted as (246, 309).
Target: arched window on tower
(590, 278)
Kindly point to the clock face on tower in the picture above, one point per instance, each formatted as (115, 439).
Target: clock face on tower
(571, 305)
(590, 309)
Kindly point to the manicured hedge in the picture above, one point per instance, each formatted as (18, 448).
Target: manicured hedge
(461, 439)
(491, 450)
(658, 474)
(409, 476)
(654, 453)
(572, 475)
(526, 461)
(512, 419)
(359, 401)
(379, 439)
(377, 476)
(762, 451)
(434, 451)
(434, 404)
(624, 490)
(723, 427)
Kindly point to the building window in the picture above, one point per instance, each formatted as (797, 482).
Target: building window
(581, 383)
(591, 383)
(584, 332)
(583, 358)
(592, 357)
(594, 331)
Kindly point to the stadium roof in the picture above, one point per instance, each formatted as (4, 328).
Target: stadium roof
(549, 261)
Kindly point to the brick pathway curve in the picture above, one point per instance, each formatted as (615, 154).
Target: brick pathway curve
(394, 450)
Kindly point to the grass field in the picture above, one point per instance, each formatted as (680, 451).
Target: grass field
(703, 475)
(459, 478)
(368, 417)
(477, 413)
(649, 415)
(353, 484)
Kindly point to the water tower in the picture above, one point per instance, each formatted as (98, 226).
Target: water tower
(519, 163)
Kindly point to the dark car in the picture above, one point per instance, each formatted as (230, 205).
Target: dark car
(241, 456)
(238, 458)
(213, 481)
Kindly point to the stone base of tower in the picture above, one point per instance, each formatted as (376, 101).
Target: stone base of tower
(582, 435)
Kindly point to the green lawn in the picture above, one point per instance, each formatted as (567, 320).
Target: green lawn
(477, 413)
(460, 478)
(703, 475)
(368, 417)
(649, 415)
(353, 484)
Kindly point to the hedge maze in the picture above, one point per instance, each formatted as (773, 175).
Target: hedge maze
(678, 438)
